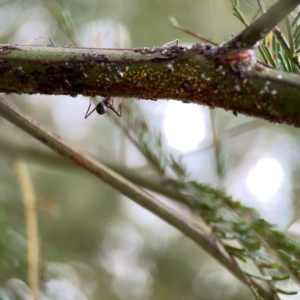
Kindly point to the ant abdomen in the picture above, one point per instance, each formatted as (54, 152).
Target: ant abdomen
(101, 108)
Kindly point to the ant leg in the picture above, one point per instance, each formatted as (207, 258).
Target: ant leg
(42, 37)
(168, 44)
(120, 107)
(87, 112)
(109, 104)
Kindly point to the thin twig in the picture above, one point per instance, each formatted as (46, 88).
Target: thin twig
(29, 201)
(190, 32)
(260, 28)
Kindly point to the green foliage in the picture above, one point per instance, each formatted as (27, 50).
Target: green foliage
(239, 229)
(237, 12)
(13, 249)
(277, 50)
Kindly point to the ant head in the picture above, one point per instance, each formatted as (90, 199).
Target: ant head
(101, 108)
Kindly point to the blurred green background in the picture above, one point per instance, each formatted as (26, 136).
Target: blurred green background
(95, 243)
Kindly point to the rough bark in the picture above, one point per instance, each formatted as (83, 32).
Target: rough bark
(197, 74)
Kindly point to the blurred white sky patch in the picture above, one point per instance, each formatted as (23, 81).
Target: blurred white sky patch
(134, 159)
(32, 30)
(268, 183)
(65, 284)
(105, 33)
(158, 231)
(36, 23)
(121, 254)
(261, 177)
(265, 179)
(62, 289)
(204, 283)
(184, 125)
(68, 114)
(295, 228)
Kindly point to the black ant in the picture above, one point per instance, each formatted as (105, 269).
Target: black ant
(101, 107)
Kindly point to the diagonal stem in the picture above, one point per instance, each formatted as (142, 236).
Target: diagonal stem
(262, 26)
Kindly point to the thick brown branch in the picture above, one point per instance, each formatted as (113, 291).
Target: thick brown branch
(195, 74)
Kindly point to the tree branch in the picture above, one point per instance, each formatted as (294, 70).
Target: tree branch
(195, 74)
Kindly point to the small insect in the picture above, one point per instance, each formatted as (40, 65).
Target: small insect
(169, 44)
(101, 107)
(39, 38)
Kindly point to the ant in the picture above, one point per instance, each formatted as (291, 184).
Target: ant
(101, 107)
